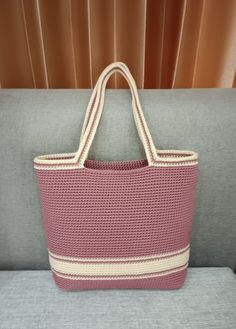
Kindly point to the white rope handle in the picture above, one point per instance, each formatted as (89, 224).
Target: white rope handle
(94, 94)
(135, 95)
(94, 112)
(139, 119)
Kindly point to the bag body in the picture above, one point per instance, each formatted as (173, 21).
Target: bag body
(117, 224)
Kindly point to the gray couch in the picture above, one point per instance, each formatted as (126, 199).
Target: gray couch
(34, 122)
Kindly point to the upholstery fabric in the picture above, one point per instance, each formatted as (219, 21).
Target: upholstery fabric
(30, 300)
(34, 122)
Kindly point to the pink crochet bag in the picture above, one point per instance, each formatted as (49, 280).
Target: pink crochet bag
(118, 224)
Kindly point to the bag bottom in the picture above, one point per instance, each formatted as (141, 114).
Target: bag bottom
(170, 281)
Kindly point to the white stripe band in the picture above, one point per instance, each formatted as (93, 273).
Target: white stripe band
(97, 278)
(137, 267)
(176, 164)
(166, 156)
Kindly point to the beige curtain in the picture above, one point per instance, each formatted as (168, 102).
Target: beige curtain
(166, 43)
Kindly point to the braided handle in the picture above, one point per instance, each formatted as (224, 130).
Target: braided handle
(94, 112)
(94, 95)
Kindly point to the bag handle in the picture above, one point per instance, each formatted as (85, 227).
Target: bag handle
(94, 94)
(94, 112)
(95, 109)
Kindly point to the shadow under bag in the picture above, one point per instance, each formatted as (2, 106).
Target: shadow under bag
(117, 224)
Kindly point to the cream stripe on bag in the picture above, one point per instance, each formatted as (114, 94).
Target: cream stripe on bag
(127, 268)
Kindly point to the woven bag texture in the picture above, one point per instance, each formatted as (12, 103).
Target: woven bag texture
(121, 224)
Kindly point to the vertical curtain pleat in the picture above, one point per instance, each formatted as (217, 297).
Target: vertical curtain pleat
(15, 68)
(187, 46)
(234, 81)
(228, 53)
(81, 42)
(171, 30)
(57, 39)
(35, 43)
(155, 27)
(165, 43)
(130, 37)
(101, 37)
(212, 45)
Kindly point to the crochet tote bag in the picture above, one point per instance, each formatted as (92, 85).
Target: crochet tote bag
(117, 224)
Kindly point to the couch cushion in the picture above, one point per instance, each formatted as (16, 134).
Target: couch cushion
(29, 299)
(34, 122)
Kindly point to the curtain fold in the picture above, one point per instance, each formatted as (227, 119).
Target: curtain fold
(165, 43)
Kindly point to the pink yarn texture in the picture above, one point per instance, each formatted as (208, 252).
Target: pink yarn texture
(119, 224)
